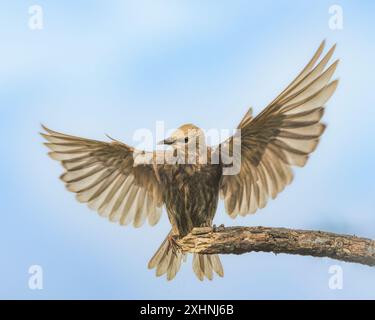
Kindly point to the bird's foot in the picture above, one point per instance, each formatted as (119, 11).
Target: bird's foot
(201, 230)
(172, 239)
(219, 228)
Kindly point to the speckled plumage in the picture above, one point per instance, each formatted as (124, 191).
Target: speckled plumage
(127, 185)
(190, 194)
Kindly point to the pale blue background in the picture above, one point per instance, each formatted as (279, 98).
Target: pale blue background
(115, 66)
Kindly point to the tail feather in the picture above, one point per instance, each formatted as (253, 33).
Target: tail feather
(174, 265)
(167, 260)
(216, 265)
(205, 264)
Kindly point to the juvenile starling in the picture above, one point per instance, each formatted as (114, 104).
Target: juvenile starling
(127, 185)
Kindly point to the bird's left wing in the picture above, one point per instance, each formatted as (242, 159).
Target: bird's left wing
(281, 136)
(104, 175)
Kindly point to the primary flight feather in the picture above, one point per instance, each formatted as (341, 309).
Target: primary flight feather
(130, 186)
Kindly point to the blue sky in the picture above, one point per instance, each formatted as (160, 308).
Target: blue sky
(116, 66)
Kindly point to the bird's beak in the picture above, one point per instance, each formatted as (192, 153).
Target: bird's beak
(167, 141)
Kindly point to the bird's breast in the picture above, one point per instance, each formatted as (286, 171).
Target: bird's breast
(191, 196)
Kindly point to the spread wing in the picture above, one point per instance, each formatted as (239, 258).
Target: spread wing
(104, 175)
(281, 136)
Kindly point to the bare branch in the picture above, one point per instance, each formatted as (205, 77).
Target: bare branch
(239, 240)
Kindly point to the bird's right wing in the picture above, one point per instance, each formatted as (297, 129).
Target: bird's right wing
(281, 136)
(106, 176)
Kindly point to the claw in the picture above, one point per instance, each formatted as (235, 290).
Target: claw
(219, 228)
(175, 246)
(201, 230)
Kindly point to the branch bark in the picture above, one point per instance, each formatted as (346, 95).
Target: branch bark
(239, 240)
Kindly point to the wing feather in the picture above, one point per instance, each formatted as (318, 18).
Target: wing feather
(104, 175)
(281, 136)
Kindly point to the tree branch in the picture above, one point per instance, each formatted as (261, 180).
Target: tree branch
(239, 240)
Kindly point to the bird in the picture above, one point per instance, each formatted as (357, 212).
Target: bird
(128, 185)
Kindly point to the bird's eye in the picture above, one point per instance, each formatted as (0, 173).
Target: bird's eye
(186, 140)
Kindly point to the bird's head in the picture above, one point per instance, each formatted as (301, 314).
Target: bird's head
(186, 135)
